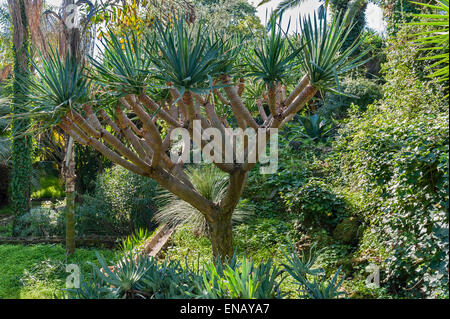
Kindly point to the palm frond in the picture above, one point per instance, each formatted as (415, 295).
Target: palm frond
(436, 39)
(286, 5)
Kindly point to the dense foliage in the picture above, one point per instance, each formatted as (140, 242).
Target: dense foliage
(395, 157)
(121, 203)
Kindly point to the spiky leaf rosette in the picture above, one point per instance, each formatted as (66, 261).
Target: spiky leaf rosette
(322, 43)
(125, 67)
(188, 57)
(275, 56)
(60, 85)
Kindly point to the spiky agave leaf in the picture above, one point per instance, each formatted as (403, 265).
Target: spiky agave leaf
(322, 43)
(125, 67)
(319, 288)
(275, 57)
(58, 87)
(185, 56)
(209, 182)
(126, 273)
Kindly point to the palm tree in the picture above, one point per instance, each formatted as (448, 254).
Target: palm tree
(289, 4)
(356, 9)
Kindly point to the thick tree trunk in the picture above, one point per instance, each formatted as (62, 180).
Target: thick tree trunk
(220, 225)
(221, 233)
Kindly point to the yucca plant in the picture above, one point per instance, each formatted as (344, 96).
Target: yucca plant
(186, 56)
(275, 56)
(316, 128)
(210, 183)
(125, 67)
(435, 41)
(59, 87)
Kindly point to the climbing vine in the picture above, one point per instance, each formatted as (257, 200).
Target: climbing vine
(21, 146)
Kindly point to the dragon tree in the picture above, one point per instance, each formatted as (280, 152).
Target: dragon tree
(127, 100)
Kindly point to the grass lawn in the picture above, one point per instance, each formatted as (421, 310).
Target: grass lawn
(38, 271)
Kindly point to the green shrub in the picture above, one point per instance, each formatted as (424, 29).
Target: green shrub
(122, 203)
(50, 187)
(89, 163)
(262, 233)
(364, 92)
(395, 159)
(297, 162)
(316, 205)
(44, 220)
(398, 164)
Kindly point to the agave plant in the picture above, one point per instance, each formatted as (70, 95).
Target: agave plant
(319, 288)
(435, 40)
(212, 184)
(316, 128)
(301, 269)
(240, 280)
(124, 277)
(90, 288)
